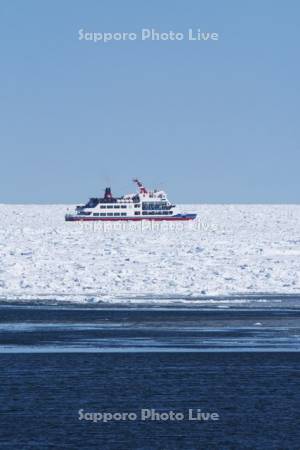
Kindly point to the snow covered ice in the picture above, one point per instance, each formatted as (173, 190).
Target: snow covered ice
(230, 249)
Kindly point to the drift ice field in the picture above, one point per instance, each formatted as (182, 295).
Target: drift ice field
(229, 250)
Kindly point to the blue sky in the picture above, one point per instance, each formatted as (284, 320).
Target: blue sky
(208, 121)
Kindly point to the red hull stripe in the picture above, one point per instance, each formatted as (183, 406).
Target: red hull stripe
(135, 219)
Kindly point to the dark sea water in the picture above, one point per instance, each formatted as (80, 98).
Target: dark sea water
(241, 363)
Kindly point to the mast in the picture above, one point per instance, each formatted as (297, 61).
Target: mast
(141, 187)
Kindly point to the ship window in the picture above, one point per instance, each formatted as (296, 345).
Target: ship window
(116, 214)
(153, 206)
(145, 213)
(123, 214)
(123, 206)
(109, 206)
(136, 213)
(102, 214)
(136, 206)
(110, 214)
(103, 206)
(96, 214)
(117, 206)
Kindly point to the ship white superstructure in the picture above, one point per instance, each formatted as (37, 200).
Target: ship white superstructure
(143, 205)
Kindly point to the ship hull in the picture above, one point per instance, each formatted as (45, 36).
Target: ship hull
(177, 217)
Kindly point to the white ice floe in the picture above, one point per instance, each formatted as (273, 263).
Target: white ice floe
(231, 249)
